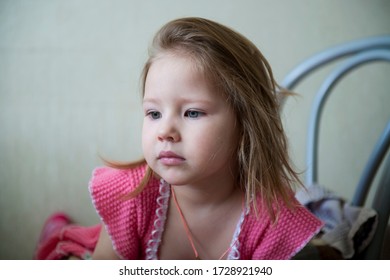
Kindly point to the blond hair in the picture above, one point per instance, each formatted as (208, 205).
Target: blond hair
(236, 67)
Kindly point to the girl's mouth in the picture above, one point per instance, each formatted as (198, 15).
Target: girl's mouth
(170, 158)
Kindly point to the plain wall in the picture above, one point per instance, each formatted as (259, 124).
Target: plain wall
(69, 92)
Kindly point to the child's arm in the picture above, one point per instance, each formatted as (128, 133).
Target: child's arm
(104, 249)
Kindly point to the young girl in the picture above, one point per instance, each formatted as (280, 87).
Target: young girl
(216, 182)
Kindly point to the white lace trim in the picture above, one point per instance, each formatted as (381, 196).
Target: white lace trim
(159, 223)
(234, 253)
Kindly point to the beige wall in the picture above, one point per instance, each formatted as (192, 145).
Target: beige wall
(69, 91)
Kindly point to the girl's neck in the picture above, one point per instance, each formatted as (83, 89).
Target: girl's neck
(208, 195)
(205, 216)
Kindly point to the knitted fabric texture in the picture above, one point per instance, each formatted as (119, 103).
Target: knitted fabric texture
(70, 241)
(132, 222)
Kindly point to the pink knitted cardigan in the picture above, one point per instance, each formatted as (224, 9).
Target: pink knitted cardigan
(136, 225)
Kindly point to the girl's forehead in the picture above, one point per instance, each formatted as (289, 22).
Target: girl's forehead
(198, 75)
(179, 56)
(176, 68)
(201, 61)
(173, 75)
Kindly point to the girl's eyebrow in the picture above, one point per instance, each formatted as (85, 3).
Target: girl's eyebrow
(181, 100)
(149, 100)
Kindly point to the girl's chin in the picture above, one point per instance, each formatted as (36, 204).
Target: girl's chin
(174, 180)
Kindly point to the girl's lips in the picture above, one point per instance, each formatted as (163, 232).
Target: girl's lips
(170, 158)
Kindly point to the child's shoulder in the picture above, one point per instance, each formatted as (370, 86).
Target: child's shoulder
(107, 174)
(120, 181)
(284, 237)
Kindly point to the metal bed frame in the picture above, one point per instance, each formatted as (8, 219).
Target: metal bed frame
(355, 54)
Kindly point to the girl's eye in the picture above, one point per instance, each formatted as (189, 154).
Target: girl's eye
(192, 114)
(154, 115)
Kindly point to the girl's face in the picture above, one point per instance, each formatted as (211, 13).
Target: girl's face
(189, 134)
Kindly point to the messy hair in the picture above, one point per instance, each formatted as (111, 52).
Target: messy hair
(237, 69)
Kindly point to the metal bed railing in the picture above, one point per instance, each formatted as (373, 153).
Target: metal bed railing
(355, 54)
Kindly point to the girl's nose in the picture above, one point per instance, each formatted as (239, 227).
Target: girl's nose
(168, 132)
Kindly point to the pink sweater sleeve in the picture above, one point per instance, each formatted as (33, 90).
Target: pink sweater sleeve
(119, 215)
(292, 232)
